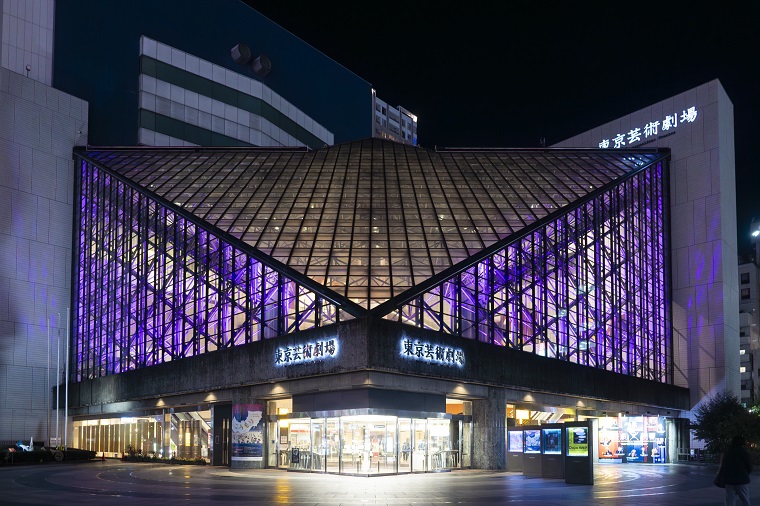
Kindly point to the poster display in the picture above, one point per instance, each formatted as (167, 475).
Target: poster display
(247, 432)
(577, 441)
(633, 439)
(533, 441)
(552, 441)
(515, 441)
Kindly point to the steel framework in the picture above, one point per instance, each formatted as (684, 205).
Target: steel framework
(560, 253)
(154, 287)
(590, 287)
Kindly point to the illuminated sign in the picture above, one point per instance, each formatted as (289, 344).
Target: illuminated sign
(651, 129)
(308, 352)
(431, 353)
(577, 441)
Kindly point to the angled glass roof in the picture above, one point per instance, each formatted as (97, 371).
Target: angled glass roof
(370, 219)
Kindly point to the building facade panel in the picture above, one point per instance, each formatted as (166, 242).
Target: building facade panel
(697, 126)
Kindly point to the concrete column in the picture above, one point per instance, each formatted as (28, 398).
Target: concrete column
(489, 431)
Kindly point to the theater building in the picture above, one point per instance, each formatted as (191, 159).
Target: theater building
(369, 307)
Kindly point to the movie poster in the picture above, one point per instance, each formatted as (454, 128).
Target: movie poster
(577, 441)
(247, 432)
(515, 441)
(552, 441)
(532, 441)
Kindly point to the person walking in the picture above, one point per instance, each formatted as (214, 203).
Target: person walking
(735, 466)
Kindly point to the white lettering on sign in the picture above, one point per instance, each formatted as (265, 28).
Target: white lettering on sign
(307, 352)
(431, 353)
(668, 123)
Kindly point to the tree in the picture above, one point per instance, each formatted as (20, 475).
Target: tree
(720, 418)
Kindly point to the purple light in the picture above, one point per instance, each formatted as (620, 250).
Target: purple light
(152, 287)
(589, 288)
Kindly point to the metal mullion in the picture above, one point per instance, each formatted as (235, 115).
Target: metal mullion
(561, 168)
(486, 196)
(649, 247)
(238, 179)
(265, 199)
(497, 184)
(121, 253)
(328, 266)
(280, 201)
(371, 217)
(660, 302)
(102, 254)
(464, 178)
(419, 216)
(638, 259)
(388, 224)
(353, 223)
(79, 226)
(321, 220)
(110, 278)
(645, 294)
(180, 181)
(446, 167)
(522, 176)
(432, 201)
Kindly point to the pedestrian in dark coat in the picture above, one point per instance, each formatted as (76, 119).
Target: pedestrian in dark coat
(735, 466)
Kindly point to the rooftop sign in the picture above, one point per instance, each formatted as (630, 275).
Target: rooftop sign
(669, 122)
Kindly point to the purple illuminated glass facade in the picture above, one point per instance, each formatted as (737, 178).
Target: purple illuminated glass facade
(153, 286)
(559, 253)
(590, 287)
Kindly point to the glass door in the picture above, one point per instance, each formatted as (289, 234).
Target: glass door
(440, 454)
(273, 430)
(405, 439)
(318, 445)
(420, 444)
(332, 450)
(300, 445)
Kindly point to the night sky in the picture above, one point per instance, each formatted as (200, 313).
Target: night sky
(506, 74)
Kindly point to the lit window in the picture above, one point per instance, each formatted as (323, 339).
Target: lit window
(742, 352)
(742, 369)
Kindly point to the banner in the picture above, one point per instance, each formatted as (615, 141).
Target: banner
(247, 432)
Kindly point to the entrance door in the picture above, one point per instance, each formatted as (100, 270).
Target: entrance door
(318, 445)
(405, 440)
(332, 449)
(420, 442)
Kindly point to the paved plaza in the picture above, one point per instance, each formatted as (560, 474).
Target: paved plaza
(114, 483)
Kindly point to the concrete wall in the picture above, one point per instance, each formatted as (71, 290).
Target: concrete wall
(703, 232)
(26, 38)
(374, 345)
(38, 128)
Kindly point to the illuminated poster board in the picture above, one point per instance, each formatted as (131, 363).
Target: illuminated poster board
(515, 441)
(577, 442)
(633, 438)
(552, 441)
(247, 432)
(533, 441)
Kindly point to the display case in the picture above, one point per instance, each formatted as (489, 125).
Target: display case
(515, 449)
(532, 458)
(579, 466)
(552, 459)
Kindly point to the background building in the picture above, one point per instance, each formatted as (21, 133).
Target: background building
(191, 88)
(749, 332)
(39, 126)
(341, 301)
(147, 79)
(697, 126)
